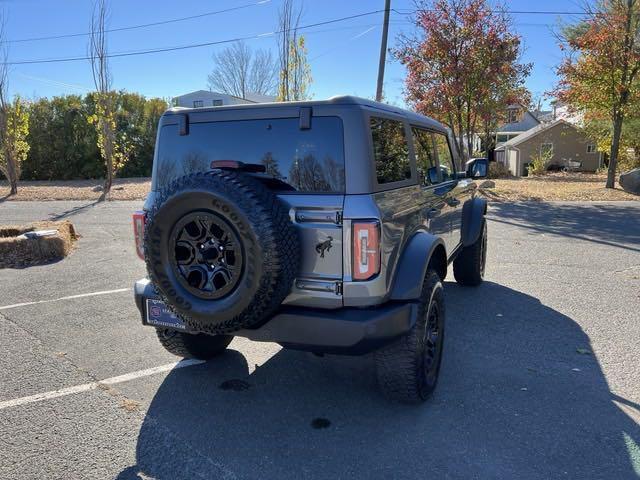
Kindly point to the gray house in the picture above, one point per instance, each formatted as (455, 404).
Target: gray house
(518, 121)
(567, 146)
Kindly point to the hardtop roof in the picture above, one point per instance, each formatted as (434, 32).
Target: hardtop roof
(412, 117)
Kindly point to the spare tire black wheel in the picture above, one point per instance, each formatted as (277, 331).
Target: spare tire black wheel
(221, 250)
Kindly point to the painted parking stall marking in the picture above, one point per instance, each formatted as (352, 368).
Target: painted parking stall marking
(40, 397)
(69, 297)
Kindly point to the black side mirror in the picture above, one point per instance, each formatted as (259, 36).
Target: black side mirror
(477, 168)
(432, 175)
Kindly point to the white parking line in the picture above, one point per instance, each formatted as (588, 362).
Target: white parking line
(70, 297)
(39, 397)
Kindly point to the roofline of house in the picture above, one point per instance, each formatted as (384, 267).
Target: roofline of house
(539, 129)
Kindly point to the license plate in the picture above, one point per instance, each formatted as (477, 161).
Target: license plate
(158, 314)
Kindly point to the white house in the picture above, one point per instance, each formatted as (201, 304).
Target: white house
(206, 98)
(562, 111)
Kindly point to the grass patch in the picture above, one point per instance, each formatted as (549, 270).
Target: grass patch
(17, 251)
(556, 187)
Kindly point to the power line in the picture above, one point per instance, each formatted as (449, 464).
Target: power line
(135, 27)
(193, 45)
(512, 12)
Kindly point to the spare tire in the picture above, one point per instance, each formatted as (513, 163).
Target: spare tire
(221, 250)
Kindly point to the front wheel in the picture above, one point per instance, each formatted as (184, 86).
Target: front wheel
(408, 369)
(469, 265)
(198, 346)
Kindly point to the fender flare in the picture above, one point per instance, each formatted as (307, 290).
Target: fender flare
(413, 264)
(473, 212)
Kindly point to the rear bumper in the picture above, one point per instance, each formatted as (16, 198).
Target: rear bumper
(347, 331)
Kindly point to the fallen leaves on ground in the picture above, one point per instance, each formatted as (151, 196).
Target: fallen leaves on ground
(556, 187)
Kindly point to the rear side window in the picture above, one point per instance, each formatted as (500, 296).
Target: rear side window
(447, 167)
(390, 150)
(425, 156)
(310, 160)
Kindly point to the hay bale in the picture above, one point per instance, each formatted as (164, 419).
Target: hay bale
(18, 251)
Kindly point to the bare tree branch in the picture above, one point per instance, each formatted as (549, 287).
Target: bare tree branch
(9, 165)
(295, 73)
(239, 71)
(98, 54)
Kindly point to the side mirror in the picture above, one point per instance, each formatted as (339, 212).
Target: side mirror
(432, 175)
(477, 168)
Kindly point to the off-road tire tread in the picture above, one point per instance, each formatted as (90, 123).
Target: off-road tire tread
(279, 239)
(198, 346)
(466, 266)
(398, 364)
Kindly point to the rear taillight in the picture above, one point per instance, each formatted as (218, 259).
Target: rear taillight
(366, 249)
(138, 232)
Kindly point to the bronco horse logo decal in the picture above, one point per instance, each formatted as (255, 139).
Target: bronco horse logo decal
(324, 246)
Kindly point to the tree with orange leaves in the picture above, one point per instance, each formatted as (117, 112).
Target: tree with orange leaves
(601, 72)
(463, 66)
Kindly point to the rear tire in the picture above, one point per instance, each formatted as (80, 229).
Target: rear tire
(198, 346)
(221, 251)
(469, 265)
(408, 369)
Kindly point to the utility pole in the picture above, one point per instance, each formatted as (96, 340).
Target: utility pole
(383, 50)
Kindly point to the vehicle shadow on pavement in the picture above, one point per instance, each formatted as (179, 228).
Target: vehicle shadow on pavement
(612, 225)
(520, 396)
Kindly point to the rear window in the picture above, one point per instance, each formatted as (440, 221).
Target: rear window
(307, 160)
(390, 150)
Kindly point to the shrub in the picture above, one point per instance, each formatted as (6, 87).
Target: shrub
(539, 162)
(498, 170)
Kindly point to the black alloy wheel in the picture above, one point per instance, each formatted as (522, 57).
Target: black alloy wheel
(207, 255)
(433, 342)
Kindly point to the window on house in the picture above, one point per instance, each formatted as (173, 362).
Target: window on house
(512, 115)
(425, 156)
(390, 150)
(591, 148)
(502, 138)
(217, 103)
(447, 166)
(546, 150)
(198, 103)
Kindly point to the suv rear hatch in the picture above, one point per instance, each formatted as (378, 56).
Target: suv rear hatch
(303, 161)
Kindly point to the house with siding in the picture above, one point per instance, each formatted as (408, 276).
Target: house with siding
(206, 98)
(567, 146)
(518, 120)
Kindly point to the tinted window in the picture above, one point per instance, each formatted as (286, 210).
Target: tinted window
(447, 166)
(308, 160)
(425, 156)
(390, 150)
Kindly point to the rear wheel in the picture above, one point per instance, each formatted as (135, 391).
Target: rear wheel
(199, 346)
(408, 369)
(469, 265)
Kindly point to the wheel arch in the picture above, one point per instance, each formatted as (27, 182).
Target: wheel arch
(423, 250)
(473, 213)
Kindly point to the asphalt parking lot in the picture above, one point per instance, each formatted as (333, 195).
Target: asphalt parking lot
(541, 375)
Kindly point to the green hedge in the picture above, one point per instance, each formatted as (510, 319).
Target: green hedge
(63, 142)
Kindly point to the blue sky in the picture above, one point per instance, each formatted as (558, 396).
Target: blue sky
(343, 56)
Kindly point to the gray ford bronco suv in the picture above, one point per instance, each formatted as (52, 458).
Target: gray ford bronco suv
(325, 226)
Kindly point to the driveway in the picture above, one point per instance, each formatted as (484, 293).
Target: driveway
(541, 377)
